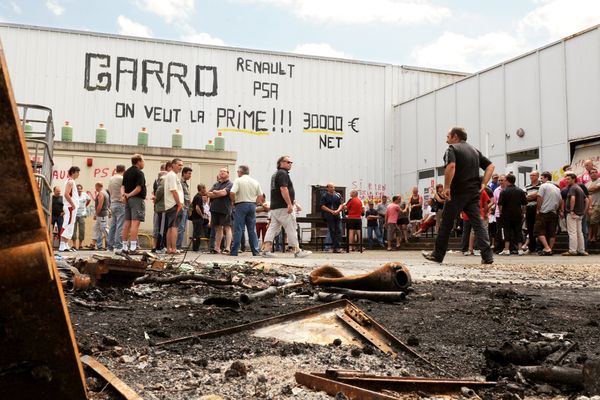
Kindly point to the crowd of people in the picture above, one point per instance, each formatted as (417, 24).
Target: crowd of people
(516, 220)
(220, 216)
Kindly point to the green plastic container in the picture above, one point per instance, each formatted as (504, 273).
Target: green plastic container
(66, 133)
(209, 146)
(101, 134)
(143, 138)
(220, 143)
(28, 129)
(177, 139)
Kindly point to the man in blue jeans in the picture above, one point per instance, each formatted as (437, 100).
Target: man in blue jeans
(244, 194)
(117, 209)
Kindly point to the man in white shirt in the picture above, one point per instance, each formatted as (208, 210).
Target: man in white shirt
(549, 205)
(245, 192)
(173, 204)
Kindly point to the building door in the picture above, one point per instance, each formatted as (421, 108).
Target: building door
(521, 170)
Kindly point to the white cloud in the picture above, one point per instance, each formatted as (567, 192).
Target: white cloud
(203, 38)
(132, 28)
(560, 18)
(55, 7)
(319, 49)
(549, 21)
(168, 9)
(15, 7)
(459, 52)
(403, 12)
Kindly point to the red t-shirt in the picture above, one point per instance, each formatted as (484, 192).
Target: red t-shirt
(482, 203)
(355, 208)
(391, 214)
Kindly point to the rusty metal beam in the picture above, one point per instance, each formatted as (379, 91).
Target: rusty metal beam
(38, 357)
(378, 335)
(404, 384)
(331, 387)
(262, 323)
(117, 384)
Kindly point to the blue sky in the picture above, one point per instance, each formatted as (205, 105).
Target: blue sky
(464, 35)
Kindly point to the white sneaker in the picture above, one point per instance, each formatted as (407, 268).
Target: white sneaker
(302, 253)
(466, 253)
(521, 252)
(268, 254)
(504, 253)
(476, 252)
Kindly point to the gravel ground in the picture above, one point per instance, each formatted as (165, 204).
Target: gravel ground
(456, 311)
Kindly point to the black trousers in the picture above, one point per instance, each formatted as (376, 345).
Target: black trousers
(469, 203)
(500, 235)
(530, 213)
(466, 233)
(197, 233)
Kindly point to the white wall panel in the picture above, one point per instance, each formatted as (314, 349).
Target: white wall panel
(426, 132)
(553, 157)
(553, 97)
(467, 108)
(583, 84)
(491, 92)
(499, 164)
(413, 82)
(445, 116)
(522, 103)
(406, 145)
(407, 181)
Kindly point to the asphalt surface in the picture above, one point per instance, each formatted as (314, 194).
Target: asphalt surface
(555, 270)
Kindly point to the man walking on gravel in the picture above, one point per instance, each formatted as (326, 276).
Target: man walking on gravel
(282, 207)
(462, 188)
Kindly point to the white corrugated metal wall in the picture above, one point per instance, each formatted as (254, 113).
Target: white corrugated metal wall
(49, 67)
(552, 94)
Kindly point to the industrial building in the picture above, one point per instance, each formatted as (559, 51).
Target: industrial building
(378, 128)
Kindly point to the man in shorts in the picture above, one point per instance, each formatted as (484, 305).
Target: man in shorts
(134, 196)
(549, 206)
(220, 210)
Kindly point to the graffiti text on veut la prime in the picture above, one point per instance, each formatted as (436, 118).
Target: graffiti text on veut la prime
(103, 73)
(157, 113)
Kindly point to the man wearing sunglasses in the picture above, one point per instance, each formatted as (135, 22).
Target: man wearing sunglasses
(282, 207)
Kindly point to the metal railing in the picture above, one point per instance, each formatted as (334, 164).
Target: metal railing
(38, 126)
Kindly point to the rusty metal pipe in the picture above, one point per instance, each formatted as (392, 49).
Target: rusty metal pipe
(390, 277)
(269, 292)
(367, 295)
(327, 297)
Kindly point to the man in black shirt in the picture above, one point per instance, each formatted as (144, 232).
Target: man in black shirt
(372, 225)
(197, 217)
(331, 207)
(220, 210)
(134, 196)
(512, 202)
(531, 210)
(57, 209)
(462, 189)
(282, 208)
